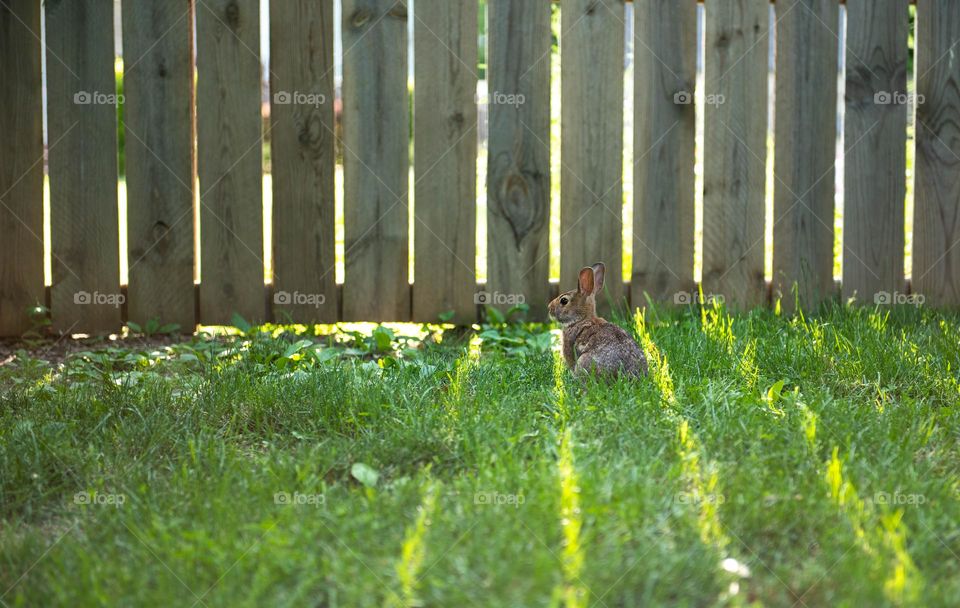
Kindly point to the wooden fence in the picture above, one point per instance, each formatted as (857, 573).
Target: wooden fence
(171, 187)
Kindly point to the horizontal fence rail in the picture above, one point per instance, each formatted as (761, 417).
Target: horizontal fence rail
(187, 129)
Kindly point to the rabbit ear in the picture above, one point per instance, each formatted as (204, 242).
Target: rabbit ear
(586, 280)
(598, 270)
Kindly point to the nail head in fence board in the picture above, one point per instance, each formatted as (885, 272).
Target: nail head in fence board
(229, 132)
(518, 171)
(936, 256)
(591, 194)
(376, 121)
(302, 159)
(21, 166)
(805, 150)
(735, 134)
(665, 74)
(445, 140)
(82, 119)
(158, 85)
(875, 138)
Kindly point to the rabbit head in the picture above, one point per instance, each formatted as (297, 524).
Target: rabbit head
(581, 303)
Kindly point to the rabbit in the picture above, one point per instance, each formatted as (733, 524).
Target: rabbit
(592, 344)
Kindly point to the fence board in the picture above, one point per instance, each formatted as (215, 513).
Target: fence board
(21, 166)
(875, 142)
(445, 140)
(158, 118)
(665, 64)
(376, 121)
(735, 150)
(936, 257)
(302, 160)
(518, 170)
(591, 151)
(805, 150)
(229, 135)
(82, 119)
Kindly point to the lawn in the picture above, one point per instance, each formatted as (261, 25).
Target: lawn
(766, 460)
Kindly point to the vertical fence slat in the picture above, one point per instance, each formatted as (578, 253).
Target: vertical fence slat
(805, 150)
(875, 131)
(591, 193)
(665, 64)
(518, 171)
(229, 162)
(936, 256)
(82, 119)
(21, 166)
(735, 132)
(445, 153)
(302, 160)
(158, 86)
(376, 123)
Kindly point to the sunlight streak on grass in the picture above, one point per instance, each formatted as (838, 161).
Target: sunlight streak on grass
(657, 363)
(885, 543)
(414, 551)
(573, 593)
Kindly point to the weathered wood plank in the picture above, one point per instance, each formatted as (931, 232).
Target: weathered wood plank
(158, 118)
(805, 150)
(665, 74)
(936, 256)
(591, 193)
(875, 140)
(302, 155)
(376, 136)
(445, 153)
(229, 137)
(82, 119)
(735, 131)
(21, 166)
(518, 170)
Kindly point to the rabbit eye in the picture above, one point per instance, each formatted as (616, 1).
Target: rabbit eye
(564, 301)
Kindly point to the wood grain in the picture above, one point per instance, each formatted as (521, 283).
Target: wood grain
(21, 166)
(665, 51)
(735, 131)
(376, 137)
(158, 118)
(805, 150)
(229, 137)
(82, 120)
(936, 256)
(445, 153)
(303, 162)
(518, 170)
(591, 174)
(875, 140)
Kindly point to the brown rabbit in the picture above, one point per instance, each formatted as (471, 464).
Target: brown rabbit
(592, 344)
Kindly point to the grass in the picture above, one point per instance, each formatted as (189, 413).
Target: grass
(767, 460)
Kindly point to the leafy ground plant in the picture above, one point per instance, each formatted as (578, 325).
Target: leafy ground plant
(767, 460)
